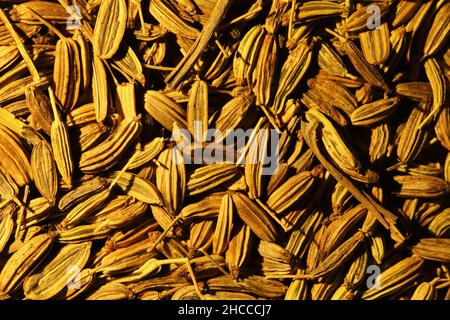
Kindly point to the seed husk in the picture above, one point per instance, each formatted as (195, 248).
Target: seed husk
(24, 260)
(42, 285)
(44, 170)
(109, 28)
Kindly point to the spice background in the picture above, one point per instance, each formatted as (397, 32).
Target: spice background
(105, 103)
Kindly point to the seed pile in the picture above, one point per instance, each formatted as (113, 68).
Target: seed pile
(99, 201)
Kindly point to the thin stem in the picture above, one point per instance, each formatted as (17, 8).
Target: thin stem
(23, 52)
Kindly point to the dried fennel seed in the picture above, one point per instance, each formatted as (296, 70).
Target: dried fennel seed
(202, 149)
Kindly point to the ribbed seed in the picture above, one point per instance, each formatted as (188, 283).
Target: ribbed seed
(112, 291)
(82, 115)
(50, 11)
(201, 235)
(412, 141)
(90, 135)
(358, 20)
(6, 225)
(377, 246)
(38, 209)
(404, 11)
(364, 68)
(246, 55)
(292, 72)
(440, 225)
(338, 230)
(291, 192)
(342, 98)
(302, 237)
(438, 86)
(127, 259)
(313, 10)
(81, 193)
(439, 31)
(329, 60)
(232, 115)
(171, 178)
(266, 288)
(129, 63)
(119, 212)
(255, 159)
(419, 91)
(262, 76)
(169, 19)
(424, 291)
(14, 158)
(147, 153)
(85, 59)
(337, 257)
(85, 208)
(206, 207)
(357, 270)
(442, 127)
(83, 233)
